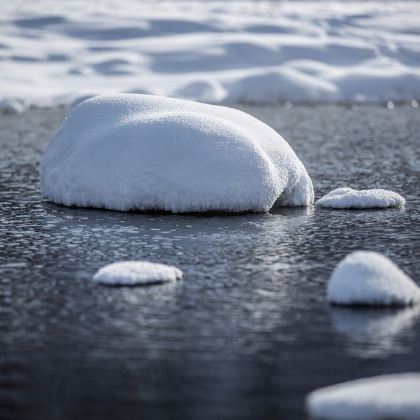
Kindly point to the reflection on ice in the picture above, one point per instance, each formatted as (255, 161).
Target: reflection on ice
(374, 332)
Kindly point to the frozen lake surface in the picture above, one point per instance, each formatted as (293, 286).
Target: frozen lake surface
(247, 333)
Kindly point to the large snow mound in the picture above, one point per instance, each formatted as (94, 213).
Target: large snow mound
(129, 151)
(212, 50)
(348, 198)
(381, 397)
(133, 273)
(370, 278)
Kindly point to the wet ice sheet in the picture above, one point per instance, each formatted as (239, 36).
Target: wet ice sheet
(231, 339)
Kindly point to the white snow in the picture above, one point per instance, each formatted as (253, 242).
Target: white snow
(130, 151)
(370, 278)
(382, 397)
(215, 51)
(132, 273)
(348, 198)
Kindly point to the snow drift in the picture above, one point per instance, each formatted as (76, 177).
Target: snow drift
(128, 151)
(380, 397)
(348, 198)
(134, 273)
(213, 51)
(369, 278)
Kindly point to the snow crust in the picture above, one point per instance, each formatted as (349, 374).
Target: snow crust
(144, 152)
(370, 278)
(214, 51)
(381, 397)
(348, 198)
(133, 273)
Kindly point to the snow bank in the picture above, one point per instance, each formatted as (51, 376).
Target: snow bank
(128, 151)
(348, 198)
(380, 397)
(213, 51)
(133, 273)
(369, 278)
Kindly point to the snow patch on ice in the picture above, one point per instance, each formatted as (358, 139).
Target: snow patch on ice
(370, 278)
(136, 273)
(381, 397)
(348, 198)
(213, 51)
(128, 151)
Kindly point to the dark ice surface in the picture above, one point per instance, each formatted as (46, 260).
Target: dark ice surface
(247, 333)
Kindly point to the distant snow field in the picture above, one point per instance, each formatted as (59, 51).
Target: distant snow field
(370, 278)
(381, 397)
(211, 51)
(136, 273)
(142, 152)
(348, 198)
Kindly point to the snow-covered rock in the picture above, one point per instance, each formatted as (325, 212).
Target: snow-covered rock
(128, 151)
(369, 278)
(133, 273)
(381, 397)
(348, 198)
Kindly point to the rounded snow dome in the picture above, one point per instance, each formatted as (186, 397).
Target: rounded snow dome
(379, 397)
(134, 273)
(369, 278)
(141, 152)
(348, 198)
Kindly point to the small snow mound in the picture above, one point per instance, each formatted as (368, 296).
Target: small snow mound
(380, 397)
(348, 198)
(276, 86)
(12, 106)
(141, 152)
(133, 273)
(369, 278)
(202, 90)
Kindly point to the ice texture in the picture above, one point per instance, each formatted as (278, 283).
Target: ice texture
(133, 273)
(371, 333)
(348, 198)
(142, 152)
(370, 278)
(214, 51)
(382, 397)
